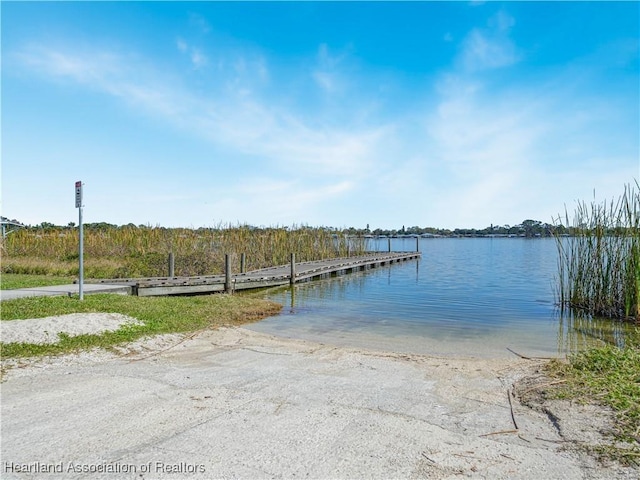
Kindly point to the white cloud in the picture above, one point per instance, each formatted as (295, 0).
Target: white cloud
(502, 21)
(234, 118)
(249, 126)
(199, 22)
(262, 69)
(523, 148)
(198, 59)
(281, 201)
(84, 67)
(482, 51)
(327, 74)
(326, 81)
(251, 67)
(488, 49)
(114, 74)
(326, 59)
(465, 154)
(196, 56)
(182, 45)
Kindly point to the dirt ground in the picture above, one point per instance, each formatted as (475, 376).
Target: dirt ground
(233, 403)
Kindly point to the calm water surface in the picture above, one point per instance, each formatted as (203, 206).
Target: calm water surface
(475, 296)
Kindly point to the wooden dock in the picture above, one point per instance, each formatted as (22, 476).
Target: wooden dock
(266, 277)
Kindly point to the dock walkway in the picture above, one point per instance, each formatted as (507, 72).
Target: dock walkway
(265, 277)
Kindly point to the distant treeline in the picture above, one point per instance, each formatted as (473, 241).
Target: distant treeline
(528, 228)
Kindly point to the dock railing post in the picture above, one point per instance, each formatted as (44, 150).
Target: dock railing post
(172, 265)
(292, 278)
(243, 261)
(227, 273)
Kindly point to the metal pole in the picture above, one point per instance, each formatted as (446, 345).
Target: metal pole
(292, 278)
(81, 255)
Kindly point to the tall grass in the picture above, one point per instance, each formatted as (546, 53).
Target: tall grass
(130, 251)
(599, 262)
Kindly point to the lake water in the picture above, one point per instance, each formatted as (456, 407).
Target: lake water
(469, 296)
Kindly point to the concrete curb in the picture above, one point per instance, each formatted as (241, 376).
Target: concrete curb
(55, 290)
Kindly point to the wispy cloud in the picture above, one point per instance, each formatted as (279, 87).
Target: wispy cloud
(273, 133)
(250, 69)
(280, 200)
(83, 67)
(327, 74)
(198, 59)
(460, 147)
(491, 152)
(490, 47)
(199, 22)
(232, 116)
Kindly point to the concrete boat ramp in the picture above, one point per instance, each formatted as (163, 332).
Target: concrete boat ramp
(266, 277)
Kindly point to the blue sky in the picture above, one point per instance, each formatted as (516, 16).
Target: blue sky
(441, 114)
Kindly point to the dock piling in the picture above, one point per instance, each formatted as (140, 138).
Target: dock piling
(227, 273)
(280, 275)
(172, 265)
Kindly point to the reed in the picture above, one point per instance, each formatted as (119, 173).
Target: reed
(599, 262)
(130, 251)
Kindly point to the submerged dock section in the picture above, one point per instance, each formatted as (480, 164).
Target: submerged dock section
(289, 274)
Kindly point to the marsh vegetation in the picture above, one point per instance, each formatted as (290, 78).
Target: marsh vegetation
(599, 264)
(139, 251)
(599, 276)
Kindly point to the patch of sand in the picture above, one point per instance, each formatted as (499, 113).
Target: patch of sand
(48, 329)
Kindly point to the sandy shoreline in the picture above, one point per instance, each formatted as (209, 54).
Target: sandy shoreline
(47, 329)
(233, 403)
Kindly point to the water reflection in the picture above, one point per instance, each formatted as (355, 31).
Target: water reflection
(577, 331)
(473, 296)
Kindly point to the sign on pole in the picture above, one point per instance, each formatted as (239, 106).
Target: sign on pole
(78, 194)
(81, 243)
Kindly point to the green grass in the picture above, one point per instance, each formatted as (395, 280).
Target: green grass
(158, 314)
(10, 281)
(609, 376)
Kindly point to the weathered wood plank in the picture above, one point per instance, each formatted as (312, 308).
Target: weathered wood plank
(265, 277)
(179, 290)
